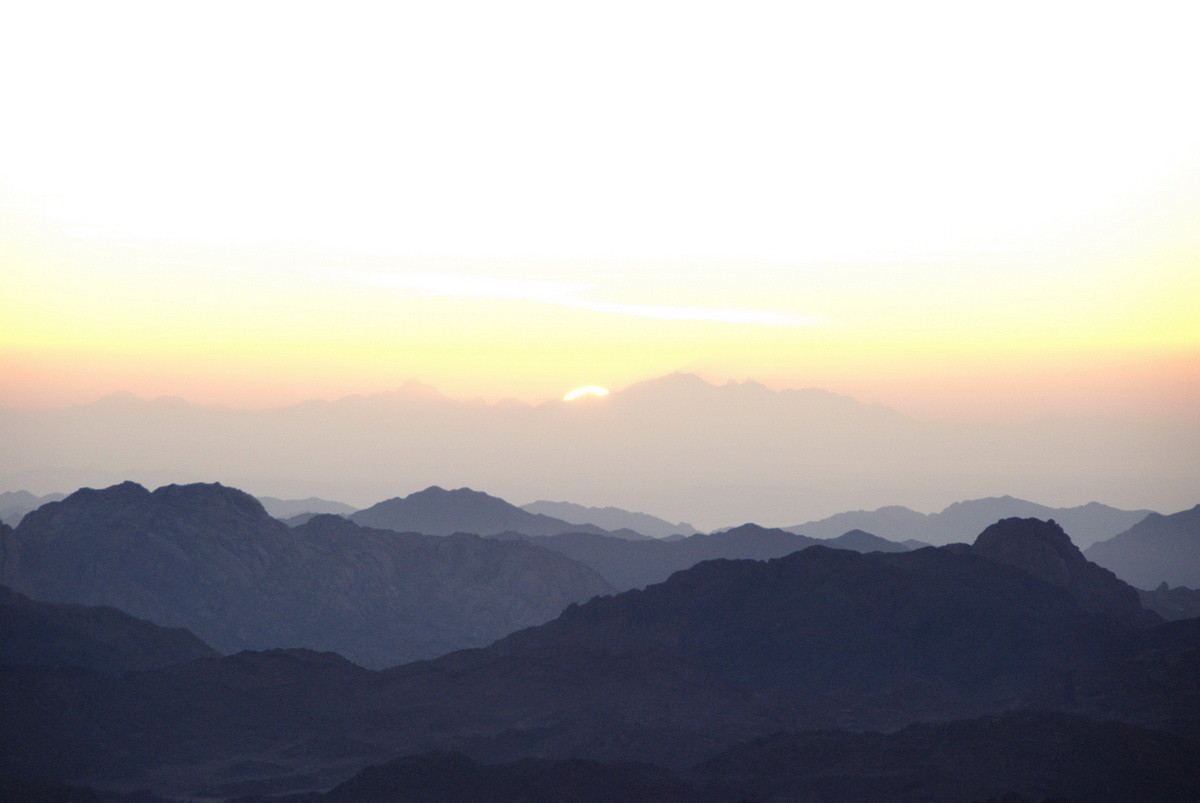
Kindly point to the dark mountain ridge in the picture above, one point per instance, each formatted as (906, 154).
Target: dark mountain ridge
(720, 653)
(102, 639)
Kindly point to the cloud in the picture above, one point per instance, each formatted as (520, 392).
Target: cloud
(575, 296)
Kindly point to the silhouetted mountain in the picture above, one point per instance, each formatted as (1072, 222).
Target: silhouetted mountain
(860, 541)
(289, 508)
(102, 639)
(611, 518)
(962, 521)
(1172, 603)
(1043, 550)
(15, 504)
(629, 564)
(210, 559)
(710, 454)
(436, 511)
(718, 654)
(1158, 549)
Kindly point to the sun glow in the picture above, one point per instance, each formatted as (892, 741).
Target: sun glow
(586, 390)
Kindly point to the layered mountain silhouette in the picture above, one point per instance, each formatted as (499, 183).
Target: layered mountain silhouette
(15, 504)
(1172, 603)
(436, 511)
(611, 518)
(209, 558)
(290, 508)
(961, 521)
(1158, 549)
(676, 446)
(635, 564)
(718, 655)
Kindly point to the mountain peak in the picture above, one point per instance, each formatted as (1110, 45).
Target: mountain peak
(1043, 550)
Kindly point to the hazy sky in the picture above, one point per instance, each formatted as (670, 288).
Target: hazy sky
(945, 207)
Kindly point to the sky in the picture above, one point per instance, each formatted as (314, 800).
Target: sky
(957, 210)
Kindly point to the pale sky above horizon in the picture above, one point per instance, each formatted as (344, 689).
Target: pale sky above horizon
(944, 207)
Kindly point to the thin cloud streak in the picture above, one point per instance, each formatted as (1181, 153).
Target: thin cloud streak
(573, 295)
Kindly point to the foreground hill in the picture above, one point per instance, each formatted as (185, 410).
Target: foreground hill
(1159, 549)
(719, 654)
(961, 521)
(1015, 756)
(436, 511)
(210, 559)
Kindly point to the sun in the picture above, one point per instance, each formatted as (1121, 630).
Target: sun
(586, 390)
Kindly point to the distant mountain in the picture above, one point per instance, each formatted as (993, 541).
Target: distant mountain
(15, 504)
(961, 521)
(210, 559)
(611, 518)
(289, 508)
(860, 541)
(1172, 604)
(630, 564)
(717, 655)
(1043, 550)
(98, 638)
(436, 511)
(724, 453)
(1158, 549)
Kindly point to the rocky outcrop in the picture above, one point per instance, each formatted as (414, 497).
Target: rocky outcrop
(1045, 551)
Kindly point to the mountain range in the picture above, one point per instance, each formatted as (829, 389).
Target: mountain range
(679, 674)
(611, 518)
(677, 446)
(1158, 549)
(210, 558)
(15, 504)
(627, 564)
(961, 521)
